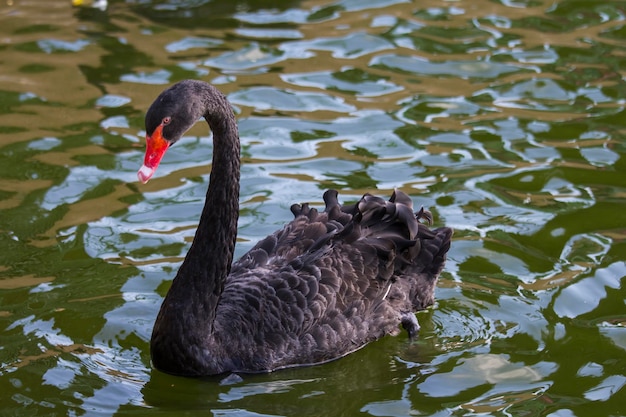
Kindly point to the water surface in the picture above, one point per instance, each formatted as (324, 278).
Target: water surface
(505, 118)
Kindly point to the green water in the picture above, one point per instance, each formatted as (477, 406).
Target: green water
(505, 118)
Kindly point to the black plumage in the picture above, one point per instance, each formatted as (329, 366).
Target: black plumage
(323, 286)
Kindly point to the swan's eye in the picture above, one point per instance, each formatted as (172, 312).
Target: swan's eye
(166, 120)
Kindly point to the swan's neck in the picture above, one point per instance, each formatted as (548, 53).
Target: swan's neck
(184, 326)
(209, 259)
(217, 230)
(191, 302)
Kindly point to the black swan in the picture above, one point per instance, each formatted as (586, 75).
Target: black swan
(318, 289)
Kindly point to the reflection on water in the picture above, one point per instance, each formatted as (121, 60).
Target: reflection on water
(505, 118)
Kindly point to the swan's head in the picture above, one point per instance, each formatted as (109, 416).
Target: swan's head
(173, 113)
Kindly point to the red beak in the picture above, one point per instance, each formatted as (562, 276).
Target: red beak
(155, 149)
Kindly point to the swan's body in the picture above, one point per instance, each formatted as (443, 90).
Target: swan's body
(323, 286)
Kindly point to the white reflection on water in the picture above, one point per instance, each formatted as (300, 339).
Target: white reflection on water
(482, 369)
(586, 294)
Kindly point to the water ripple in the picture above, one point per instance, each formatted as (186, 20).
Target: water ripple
(264, 98)
(462, 69)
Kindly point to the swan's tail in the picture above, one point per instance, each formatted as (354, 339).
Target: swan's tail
(394, 227)
(398, 237)
(410, 253)
(384, 253)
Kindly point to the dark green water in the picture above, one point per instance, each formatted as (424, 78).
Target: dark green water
(505, 118)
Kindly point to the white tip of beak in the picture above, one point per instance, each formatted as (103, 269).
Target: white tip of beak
(145, 173)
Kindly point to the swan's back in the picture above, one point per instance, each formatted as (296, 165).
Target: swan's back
(327, 284)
